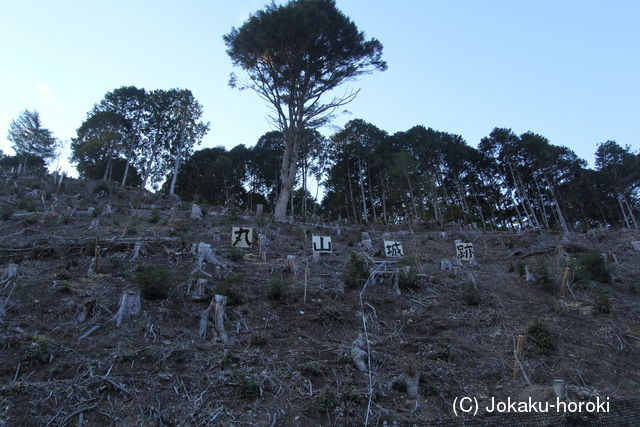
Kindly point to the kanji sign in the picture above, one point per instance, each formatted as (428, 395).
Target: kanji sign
(241, 237)
(464, 250)
(393, 249)
(321, 244)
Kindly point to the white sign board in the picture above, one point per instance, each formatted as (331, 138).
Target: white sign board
(393, 249)
(464, 250)
(321, 244)
(241, 237)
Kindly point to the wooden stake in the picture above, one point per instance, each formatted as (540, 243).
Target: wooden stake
(517, 354)
(565, 279)
(306, 275)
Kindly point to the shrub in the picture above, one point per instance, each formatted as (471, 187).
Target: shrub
(235, 254)
(470, 295)
(314, 369)
(230, 287)
(544, 277)
(407, 278)
(101, 187)
(5, 212)
(602, 301)
(258, 339)
(155, 216)
(277, 289)
(249, 387)
(326, 401)
(590, 266)
(39, 350)
(154, 281)
(542, 337)
(27, 204)
(356, 272)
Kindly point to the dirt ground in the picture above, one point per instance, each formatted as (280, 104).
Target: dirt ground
(289, 361)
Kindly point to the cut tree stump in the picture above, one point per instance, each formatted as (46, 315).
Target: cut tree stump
(217, 305)
(358, 354)
(86, 311)
(291, 266)
(528, 274)
(196, 212)
(635, 246)
(136, 251)
(205, 253)
(129, 306)
(199, 290)
(10, 274)
(560, 388)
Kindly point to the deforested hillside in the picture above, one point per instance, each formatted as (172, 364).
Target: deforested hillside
(118, 306)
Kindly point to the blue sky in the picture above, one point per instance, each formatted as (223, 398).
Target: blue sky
(568, 70)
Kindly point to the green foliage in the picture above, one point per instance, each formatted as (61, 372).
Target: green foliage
(236, 254)
(131, 229)
(63, 275)
(544, 276)
(313, 369)
(326, 400)
(407, 278)
(27, 204)
(5, 212)
(39, 350)
(602, 301)
(542, 337)
(356, 272)
(230, 287)
(470, 295)
(30, 138)
(277, 289)
(155, 216)
(229, 358)
(249, 386)
(350, 394)
(258, 339)
(154, 281)
(590, 266)
(101, 187)
(333, 312)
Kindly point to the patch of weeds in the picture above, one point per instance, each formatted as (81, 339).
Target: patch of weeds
(249, 386)
(101, 187)
(313, 369)
(231, 215)
(590, 266)
(326, 400)
(154, 281)
(126, 356)
(235, 254)
(16, 388)
(350, 394)
(230, 287)
(633, 288)
(64, 286)
(96, 212)
(407, 278)
(39, 350)
(131, 230)
(5, 212)
(542, 337)
(470, 295)
(544, 276)
(332, 313)
(179, 356)
(277, 289)
(155, 216)
(63, 275)
(229, 358)
(356, 272)
(399, 385)
(258, 339)
(30, 220)
(602, 301)
(27, 204)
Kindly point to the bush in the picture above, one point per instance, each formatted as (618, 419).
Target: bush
(230, 288)
(258, 339)
(470, 295)
(326, 401)
(5, 212)
(542, 337)
(235, 254)
(590, 266)
(356, 273)
(544, 277)
(39, 350)
(101, 187)
(154, 281)
(249, 387)
(602, 301)
(407, 278)
(155, 216)
(27, 204)
(313, 369)
(277, 289)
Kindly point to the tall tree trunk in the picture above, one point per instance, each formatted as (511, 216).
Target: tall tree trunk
(413, 200)
(365, 211)
(287, 171)
(633, 218)
(126, 172)
(353, 203)
(624, 214)
(105, 176)
(373, 209)
(384, 201)
(176, 167)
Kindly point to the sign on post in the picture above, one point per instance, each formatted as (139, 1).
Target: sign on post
(393, 249)
(241, 237)
(321, 244)
(464, 250)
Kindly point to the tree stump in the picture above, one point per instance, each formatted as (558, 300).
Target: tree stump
(129, 306)
(10, 275)
(316, 257)
(291, 266)
(205, 253)
(560, 388)
(366, 245)
(199, 290)
(358, 354)
(396, 282)
(217, 305)
(136, 251)
(635, 246)
(196, 212)
(86, 311)
(528, 274)
(259, 209)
